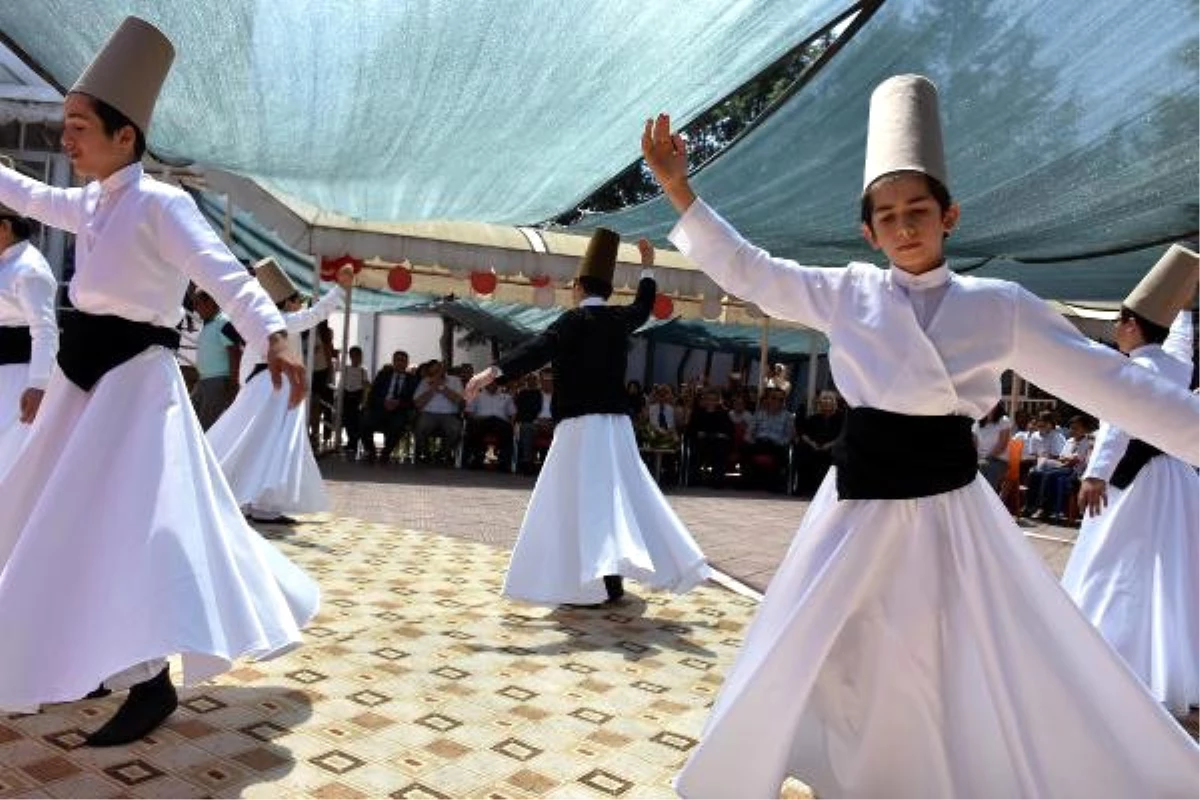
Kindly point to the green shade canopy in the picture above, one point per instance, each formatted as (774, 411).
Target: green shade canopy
(490, 110)
(1069, 134)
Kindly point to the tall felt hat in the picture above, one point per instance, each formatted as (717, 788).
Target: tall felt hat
(600, 260)
(1168, 288)
(129, 70)
(904, 131)
(274, 280)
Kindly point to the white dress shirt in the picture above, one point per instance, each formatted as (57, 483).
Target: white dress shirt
(438, 403)
(486, 404)
(138, 242)
(27, 291)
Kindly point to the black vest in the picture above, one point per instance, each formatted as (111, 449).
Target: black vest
(886, 456)
(93, 344)
(16, 345)
(1137, 455)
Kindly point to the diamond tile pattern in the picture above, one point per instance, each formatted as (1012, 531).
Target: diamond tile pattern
(382, 701)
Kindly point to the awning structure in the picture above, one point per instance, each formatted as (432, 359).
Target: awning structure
(25, 96)
(441, 254)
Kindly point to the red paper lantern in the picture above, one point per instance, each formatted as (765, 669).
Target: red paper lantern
(399, 279)
(484, 282)
(538, 281)
(664, 307)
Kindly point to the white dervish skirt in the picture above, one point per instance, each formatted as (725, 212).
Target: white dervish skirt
(120, 543)
(1134, 574)
(263, 448)
(597, 511)
(921, 648)
(14, 379)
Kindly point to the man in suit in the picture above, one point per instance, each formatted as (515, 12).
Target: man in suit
(596, 514)
(390, 406)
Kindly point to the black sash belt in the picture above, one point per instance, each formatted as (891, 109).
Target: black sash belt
(16, 345)
(259, 368)
(92, 344)
(1137, 455)
(885, 456)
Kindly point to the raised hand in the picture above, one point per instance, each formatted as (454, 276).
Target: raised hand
(345, 277)
(666, 155)
(647, 252)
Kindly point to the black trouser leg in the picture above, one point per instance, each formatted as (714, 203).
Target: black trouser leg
(614, 586)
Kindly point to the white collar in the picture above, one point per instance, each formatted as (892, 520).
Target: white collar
(121, 178)
(938, 276)
(1144, 350)
(13, 249)
(592, 300)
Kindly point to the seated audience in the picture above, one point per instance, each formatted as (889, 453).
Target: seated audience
(389, 407)
(992, 434)
(771, 433)
(816, 436)
(490, 415)
(438, 400)
(710, 436)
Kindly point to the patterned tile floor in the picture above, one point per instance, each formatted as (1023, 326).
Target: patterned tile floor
(418, 680)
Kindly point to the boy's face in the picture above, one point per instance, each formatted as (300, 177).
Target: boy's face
(907, 223)
(93, 153)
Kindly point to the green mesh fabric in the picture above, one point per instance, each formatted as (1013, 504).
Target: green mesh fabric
(1067, 134)
(490, 110)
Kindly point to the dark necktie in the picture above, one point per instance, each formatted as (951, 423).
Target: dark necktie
(662, 416)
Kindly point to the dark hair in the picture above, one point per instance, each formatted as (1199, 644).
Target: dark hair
(1046, 416)
(1152, 332)
(113, 120)
(1088, 423)
(940, 193)
(595, 287)
(355, 349)
(21, 227)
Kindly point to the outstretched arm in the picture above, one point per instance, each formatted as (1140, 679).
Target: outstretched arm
(1180, 338)
(781, 288)
(527, 357)
(637, 312)
(1051, 353)
(300, 321)
(58, 208)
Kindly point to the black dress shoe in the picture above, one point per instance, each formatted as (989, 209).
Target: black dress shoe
(97, 693)
(615, 588)
(148, 706)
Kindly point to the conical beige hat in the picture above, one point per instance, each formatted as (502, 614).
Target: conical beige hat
(600, 259)
(274, 280)
(1168, 288)
(904, 131)
(129, 70)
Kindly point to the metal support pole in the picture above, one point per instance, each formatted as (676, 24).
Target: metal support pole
(811, 394)
(339, 398)
(310, 354)
(762, 356)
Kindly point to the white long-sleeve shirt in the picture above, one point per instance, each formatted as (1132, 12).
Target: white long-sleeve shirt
(27, 292)
(883, 356)
(138, 242)
(297, 322)
(1173, 360)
